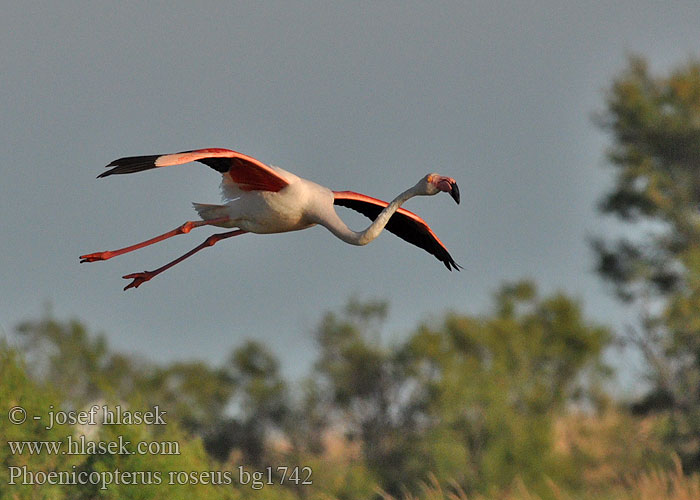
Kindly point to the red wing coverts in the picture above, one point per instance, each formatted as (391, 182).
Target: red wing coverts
(404, 224)
(249, 173)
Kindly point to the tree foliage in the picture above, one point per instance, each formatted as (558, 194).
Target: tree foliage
(471, 399)
(496, 382)
(37, 397)
(467, 400)
(654, 122)
(655, 126)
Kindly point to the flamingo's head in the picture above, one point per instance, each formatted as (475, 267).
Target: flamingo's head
(435, 183)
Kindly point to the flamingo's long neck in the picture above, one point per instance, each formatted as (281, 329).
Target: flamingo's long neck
(342, 231)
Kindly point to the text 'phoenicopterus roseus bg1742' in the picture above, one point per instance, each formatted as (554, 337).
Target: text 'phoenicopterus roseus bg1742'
(266, 199)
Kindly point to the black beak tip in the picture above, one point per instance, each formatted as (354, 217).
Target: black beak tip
(454, 192)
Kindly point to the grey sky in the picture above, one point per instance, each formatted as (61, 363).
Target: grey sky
(366, 96)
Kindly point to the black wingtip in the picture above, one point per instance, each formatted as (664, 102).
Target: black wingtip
(454, 192)
(130, 164)
(451, 265)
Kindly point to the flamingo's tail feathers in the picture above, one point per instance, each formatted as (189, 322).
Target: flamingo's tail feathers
(209, 212)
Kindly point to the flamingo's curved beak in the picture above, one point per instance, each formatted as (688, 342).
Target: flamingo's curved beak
(454, 192)
(449, 185)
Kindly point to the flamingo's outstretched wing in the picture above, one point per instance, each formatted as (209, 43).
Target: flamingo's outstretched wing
(249, 173)
(404, 224)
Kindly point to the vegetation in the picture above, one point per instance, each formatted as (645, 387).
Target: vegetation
(508, 404)
(477, 405)
(655, 125)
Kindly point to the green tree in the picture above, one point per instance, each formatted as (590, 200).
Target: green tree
(82, 369)
(68, 356)
(261, 402)
(496, 382)
(654, 123)
(18, 388)
(470, 400)
(195, 394)
(368, 393)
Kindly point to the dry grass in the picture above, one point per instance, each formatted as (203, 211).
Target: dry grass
(654, 485)
(610, 447)
(662, 485)
(434, 491)
(614, 455)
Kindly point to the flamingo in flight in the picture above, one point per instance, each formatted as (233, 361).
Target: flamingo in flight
(266, 199)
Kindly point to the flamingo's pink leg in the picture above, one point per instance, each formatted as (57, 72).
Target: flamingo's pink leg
(139, 278)
(183, 229)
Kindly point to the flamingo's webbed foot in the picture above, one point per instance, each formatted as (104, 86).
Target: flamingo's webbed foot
(94, 257)
(138, 279)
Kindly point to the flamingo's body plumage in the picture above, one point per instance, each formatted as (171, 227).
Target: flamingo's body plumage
(263, 199)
